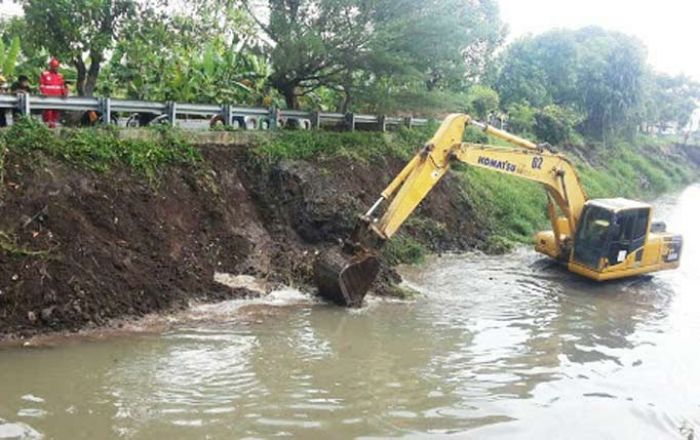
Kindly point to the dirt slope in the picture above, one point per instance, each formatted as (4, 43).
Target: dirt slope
(112, 245)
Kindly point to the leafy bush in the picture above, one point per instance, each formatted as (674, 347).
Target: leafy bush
(521, 119)
(483, 101)
(557, 125)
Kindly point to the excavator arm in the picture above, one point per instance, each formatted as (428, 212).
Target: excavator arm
(345, 275)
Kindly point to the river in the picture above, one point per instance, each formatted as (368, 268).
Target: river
(509, 346)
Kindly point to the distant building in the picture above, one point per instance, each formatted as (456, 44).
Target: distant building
(672, 128)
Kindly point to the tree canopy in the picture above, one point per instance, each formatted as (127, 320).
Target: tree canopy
(345, 45)
(79, 31)
(381, 56)
(598, 73)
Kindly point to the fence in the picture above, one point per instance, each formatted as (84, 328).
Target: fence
(141, 113)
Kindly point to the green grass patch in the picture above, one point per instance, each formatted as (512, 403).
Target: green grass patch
(403, 249)
(100, 149)
(361, 146)
(512, 208)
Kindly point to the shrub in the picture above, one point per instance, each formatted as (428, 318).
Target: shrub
(557, 125)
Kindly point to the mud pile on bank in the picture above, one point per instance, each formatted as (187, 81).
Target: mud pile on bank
(80, 247)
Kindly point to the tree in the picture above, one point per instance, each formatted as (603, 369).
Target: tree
(556, 125)
(598, 73)
(539, 70)
(611, 82)
(192, 57)
(349, 44)
(79, 32)
(521, 119)
(671, 100)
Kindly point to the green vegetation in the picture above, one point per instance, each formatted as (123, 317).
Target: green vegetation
(100, 149)
(81, 32)
(403, 248)
(361, 146)
(591, 81)
(8, 56)
(386, 56)
(514, 208)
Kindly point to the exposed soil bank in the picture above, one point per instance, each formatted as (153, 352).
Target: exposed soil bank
(80, 247)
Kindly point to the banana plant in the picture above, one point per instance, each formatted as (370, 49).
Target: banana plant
(8, 56)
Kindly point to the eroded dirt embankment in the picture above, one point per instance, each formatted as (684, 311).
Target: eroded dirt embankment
(80, 247)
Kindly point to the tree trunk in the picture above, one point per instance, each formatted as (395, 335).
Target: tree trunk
(82, 74)
(347, 100)
(87, 77)
(290, 96)
(288, 89)
(92, 74)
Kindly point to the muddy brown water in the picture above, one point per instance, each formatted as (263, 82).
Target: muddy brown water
(497, 347)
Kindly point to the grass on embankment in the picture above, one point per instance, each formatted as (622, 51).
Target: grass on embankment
(360, 146)
(100, 149)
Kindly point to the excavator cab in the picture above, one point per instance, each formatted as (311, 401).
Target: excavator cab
(609, 231)
(612, 236)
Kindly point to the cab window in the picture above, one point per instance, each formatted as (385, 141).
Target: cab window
(628, 235)
(592, 236)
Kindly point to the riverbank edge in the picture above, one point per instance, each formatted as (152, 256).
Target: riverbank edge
(242, 208)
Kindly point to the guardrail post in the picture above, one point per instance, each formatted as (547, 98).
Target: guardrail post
(273, 114)
(226, 115)
(171, 109)
(23, 104)
(350, 121)
(409, 122)
(315, 120)
(106, 110)
(381, 125)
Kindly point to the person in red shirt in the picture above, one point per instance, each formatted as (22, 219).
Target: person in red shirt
(51, 83)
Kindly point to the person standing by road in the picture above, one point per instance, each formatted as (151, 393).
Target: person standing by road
(51, 83)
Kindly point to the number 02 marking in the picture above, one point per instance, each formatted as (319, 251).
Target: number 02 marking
(537, 163)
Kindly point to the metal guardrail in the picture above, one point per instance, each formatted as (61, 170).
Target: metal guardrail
(250, 118)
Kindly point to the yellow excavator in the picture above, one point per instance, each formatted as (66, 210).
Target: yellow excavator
(601, 239)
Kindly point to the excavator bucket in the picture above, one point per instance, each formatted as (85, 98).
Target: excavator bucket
(345, 278)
